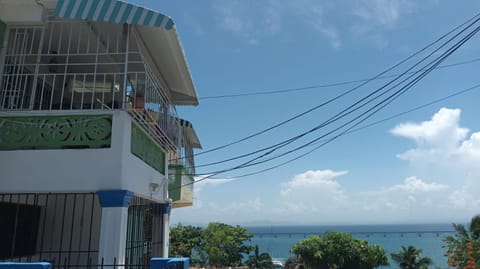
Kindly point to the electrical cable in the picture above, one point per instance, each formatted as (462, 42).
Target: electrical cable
(455, 94)
(353, 129)
(387, 101)
(344, 112)
(334, 98)
(327, 85)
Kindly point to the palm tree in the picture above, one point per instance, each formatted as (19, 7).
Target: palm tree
(475, 227)
(474, 230)
(260, 260)
(410, 258)
(461, 246)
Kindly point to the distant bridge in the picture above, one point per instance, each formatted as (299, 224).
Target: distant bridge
(362, 233)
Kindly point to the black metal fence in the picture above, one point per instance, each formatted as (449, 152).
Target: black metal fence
(64, 229)
(145, 231)
(49, 227)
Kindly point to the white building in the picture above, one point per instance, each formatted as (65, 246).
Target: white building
(89, 131)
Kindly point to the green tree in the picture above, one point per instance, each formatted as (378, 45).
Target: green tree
(259, 260)
(463, 248)
(411, 258)
(187, 241)
(340, 251)
(225, 244)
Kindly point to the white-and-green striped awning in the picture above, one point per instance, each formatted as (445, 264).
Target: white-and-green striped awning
(190, 133)
(111, 11)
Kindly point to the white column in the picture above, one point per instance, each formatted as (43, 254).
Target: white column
(113, 235)
(166, 229)
(113, 229)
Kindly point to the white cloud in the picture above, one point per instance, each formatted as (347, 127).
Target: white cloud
(471, 147)
(448, 190)
(414, 185)
(313, 193)
(312, 13)
(385, 13)
(253, 21)
(437, 140)
(441, 131)
(248, 20)
(319, 179)
(317, 197)
(444, 150)
(374, 17)
(201, 181)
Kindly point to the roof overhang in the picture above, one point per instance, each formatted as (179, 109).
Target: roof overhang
(167, 54)
(156, 30)
(21, 12)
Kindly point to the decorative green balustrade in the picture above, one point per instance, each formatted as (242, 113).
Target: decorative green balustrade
(55, 132)
(147, 150)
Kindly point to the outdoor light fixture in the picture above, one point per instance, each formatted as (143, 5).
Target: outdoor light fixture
(153, 187)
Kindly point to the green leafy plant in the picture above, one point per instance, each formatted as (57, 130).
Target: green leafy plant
(463, 248)
(340, 251)
(411, 258)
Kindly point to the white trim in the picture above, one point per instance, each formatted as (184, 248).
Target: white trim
(132, 14)
(110, 10)
(75, 9)
(99, 9)
(88, 6)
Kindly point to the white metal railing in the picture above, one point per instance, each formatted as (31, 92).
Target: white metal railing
(77, 65)
(61, 91)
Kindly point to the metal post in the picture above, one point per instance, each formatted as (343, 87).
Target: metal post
(37, 68)
(125, 71)
(3, 50)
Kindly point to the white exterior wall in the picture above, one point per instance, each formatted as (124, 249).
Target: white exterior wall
(81, 170)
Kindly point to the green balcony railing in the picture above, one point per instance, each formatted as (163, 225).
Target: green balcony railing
(143, 146)
(180, 187)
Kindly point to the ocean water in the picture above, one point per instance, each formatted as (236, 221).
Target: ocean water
(278, 240)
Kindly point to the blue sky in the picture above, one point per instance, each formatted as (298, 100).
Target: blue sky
(421, 167)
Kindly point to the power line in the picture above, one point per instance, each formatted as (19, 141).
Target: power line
(334, 98)
(263, 149)
(327, 85)
(353, 130)
(455, 94)
(385, 102)
(370, 112)
(345, 112)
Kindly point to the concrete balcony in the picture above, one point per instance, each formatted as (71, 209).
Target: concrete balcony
(80, 151)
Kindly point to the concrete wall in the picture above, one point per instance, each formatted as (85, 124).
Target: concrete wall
(81, 170)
